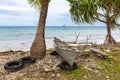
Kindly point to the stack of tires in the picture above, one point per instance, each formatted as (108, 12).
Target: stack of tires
(17, 65)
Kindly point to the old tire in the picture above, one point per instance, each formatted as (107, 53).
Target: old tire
(54, 53)
(27, 60)
(13, 66)
(65, 66)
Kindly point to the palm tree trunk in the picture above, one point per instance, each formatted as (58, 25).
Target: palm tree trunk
(38, 48)
(109, 39)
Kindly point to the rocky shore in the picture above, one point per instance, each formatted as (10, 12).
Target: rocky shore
(89, 66)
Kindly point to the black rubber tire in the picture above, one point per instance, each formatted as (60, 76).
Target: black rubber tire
(54, 53)
(65, 66)
(27, 60)
(13, 66)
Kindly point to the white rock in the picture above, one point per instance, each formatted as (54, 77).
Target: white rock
(107, 50)
(85, 77)
(53, 75)
(96, 71)
(107, 77)
(58, 75)
(46, 70)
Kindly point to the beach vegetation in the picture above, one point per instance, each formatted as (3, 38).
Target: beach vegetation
(38, 48)
(90, 11)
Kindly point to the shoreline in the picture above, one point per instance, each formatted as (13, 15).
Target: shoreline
(13, 46)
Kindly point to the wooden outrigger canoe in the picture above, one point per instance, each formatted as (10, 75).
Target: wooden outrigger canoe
(67, 54)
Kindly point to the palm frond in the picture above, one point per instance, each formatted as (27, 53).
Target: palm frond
(83, 10)
(88, 11)
(35, 3)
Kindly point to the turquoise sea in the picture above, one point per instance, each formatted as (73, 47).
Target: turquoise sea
(21, 37)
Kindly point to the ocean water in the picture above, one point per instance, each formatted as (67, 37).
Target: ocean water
(21, 37)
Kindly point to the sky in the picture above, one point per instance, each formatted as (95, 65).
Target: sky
(20, 13)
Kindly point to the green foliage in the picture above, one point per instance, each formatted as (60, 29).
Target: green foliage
(89, 11)
(83, 10)
(75, 74)
(35, 3)
(112, 13)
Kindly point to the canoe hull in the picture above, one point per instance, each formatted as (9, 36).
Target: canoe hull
(67, 55)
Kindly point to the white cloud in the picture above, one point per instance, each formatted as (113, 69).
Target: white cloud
(15, 5)
(23, 13)
(17, 12)
(58, 7)
(12, 8)
(57, 12)
(55, 6)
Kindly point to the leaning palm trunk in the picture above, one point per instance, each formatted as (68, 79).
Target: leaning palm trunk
(109, 39)
(38, 48)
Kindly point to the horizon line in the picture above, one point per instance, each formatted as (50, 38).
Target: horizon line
(52, 26)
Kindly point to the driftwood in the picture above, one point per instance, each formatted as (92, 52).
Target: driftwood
(74, 43)
(77, 35)
(99, 52)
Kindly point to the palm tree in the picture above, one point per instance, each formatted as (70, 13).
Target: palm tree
(88, 11)
(38, 48)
